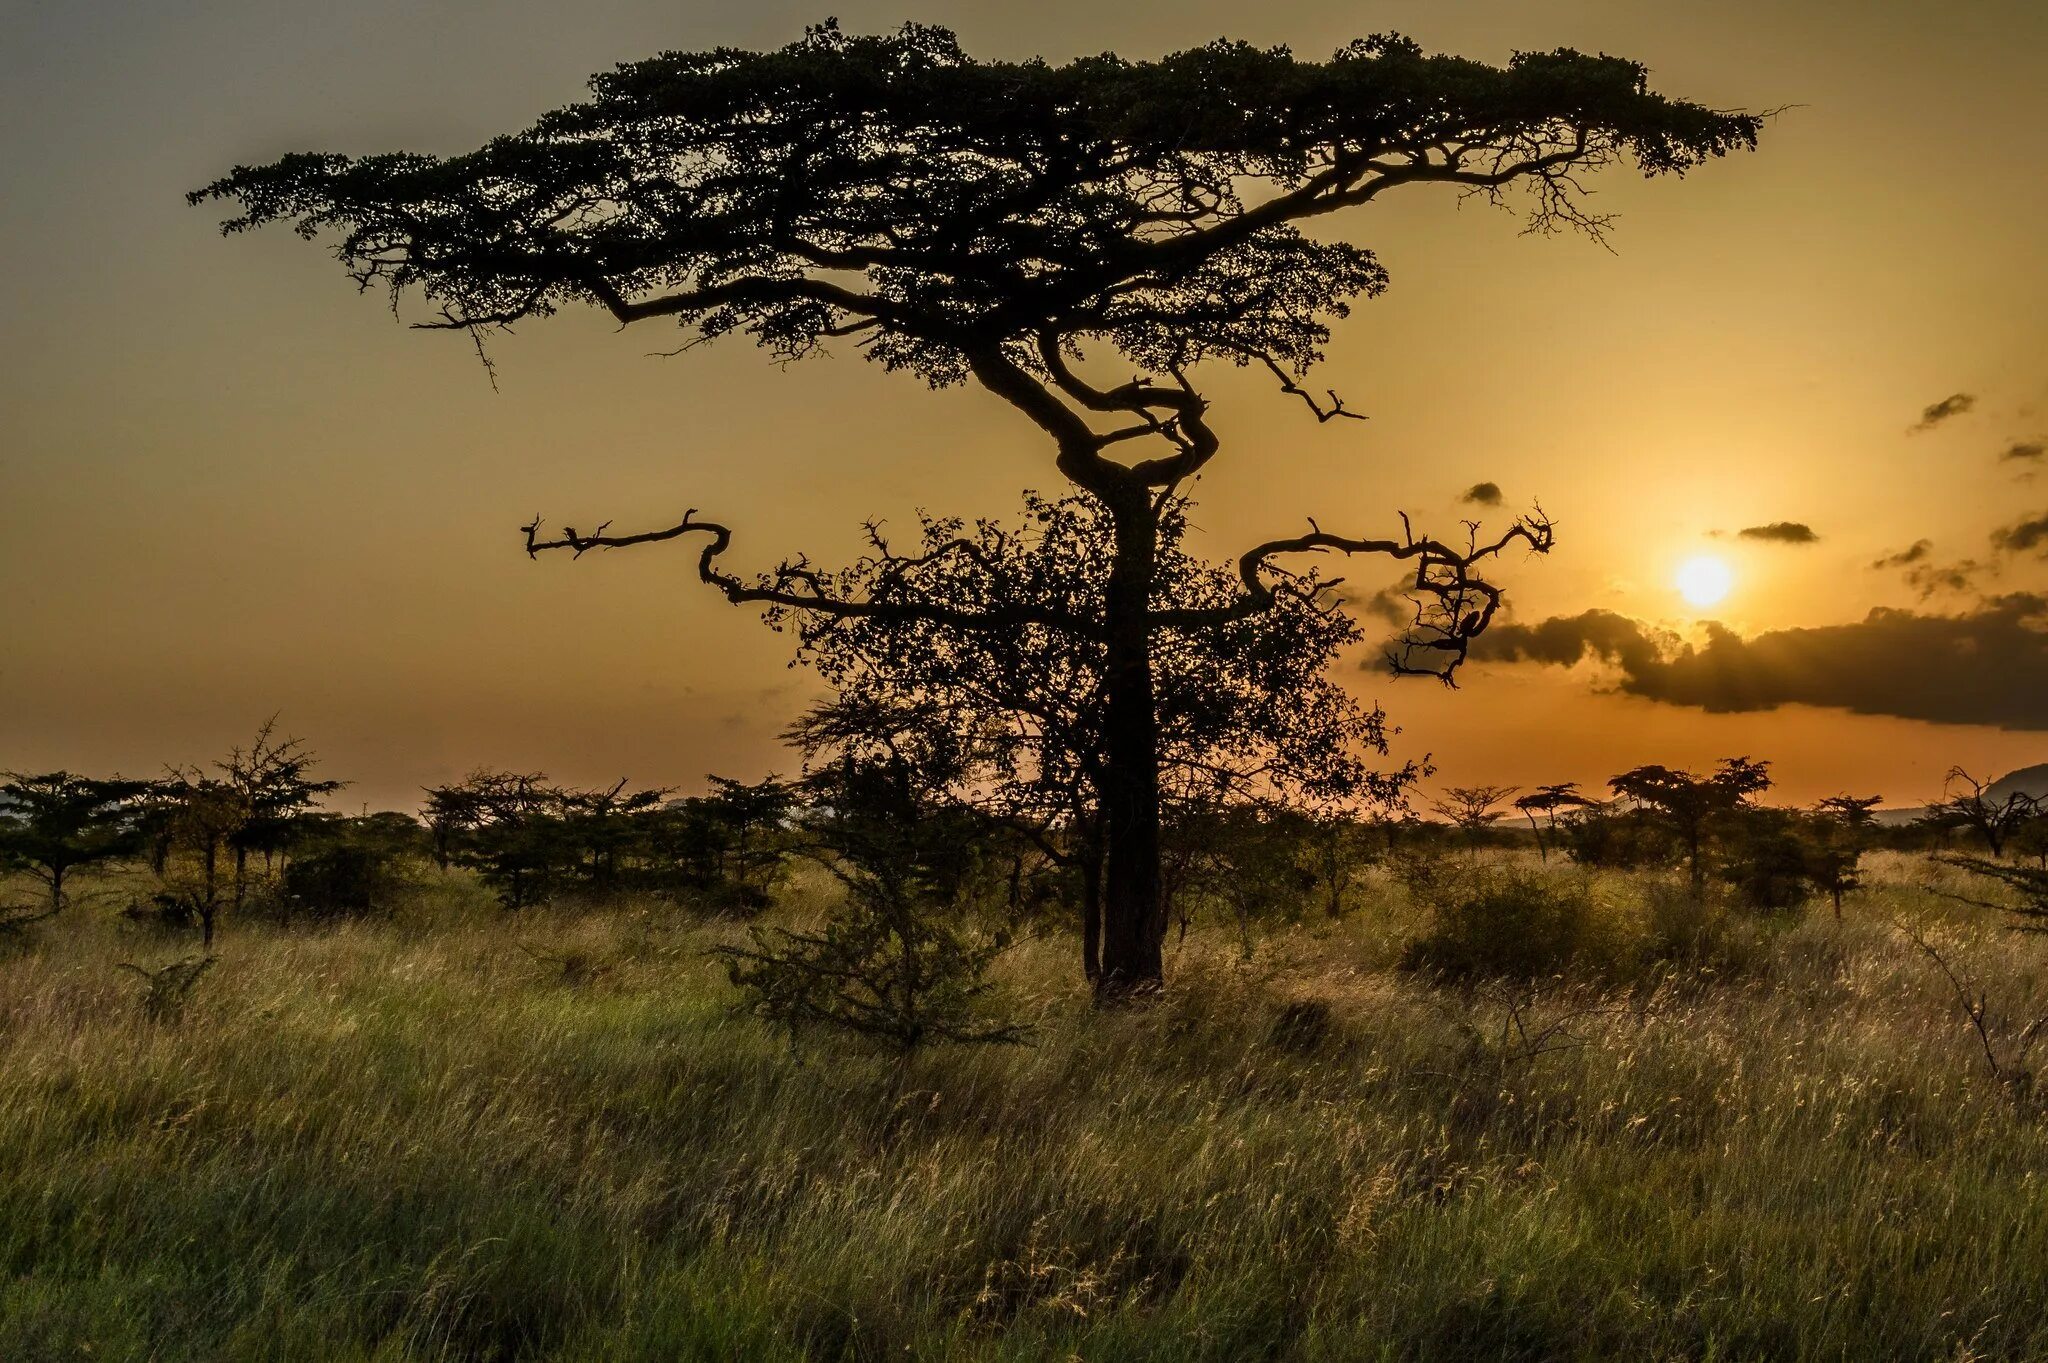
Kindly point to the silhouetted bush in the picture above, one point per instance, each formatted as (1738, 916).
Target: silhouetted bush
(1621, 840)
(898, 963)
(1504, 923)
(1767, 859)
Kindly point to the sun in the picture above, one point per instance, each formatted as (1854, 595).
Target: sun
(1704, 580)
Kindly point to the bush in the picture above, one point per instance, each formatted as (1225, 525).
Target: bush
(1618, 840)
(1766, 861)
(347, 880)
(896, 963)
(1508, 923)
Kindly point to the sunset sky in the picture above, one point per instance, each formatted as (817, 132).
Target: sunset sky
(233, 486)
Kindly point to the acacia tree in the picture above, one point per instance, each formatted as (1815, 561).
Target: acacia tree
(1026, 227)
(1471, 809)
(56, 822)
(1687, 804)
(270, 778)
(1550, 800)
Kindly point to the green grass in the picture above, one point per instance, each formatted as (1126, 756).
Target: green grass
(412, 1140)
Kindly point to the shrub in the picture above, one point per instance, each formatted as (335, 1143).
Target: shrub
(896, 963)
(1507, 923)
(343, 881)
(166, 989)
(1767, 861)
(1303, 1026)
(1618, 840)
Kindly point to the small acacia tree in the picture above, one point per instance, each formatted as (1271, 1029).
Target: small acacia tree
(1550, 801)
(1471, 809)
(55, 823)
(202, 817)
(271, 777)
(1837, 835)
(1687, 804)
(898, 963)
(1042, 231)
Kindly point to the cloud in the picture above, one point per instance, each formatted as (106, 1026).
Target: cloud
(1390, 603)
(1482, 494)
(1780, 532)
(1960, 576)
(1912, 553)
(1954, 405)
(2024, 537)
(2025, 449)
(1988, 665)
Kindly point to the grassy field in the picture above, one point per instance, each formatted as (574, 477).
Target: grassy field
(416, 1140)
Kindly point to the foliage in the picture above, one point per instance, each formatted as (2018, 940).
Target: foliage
(531, 840)
(56, 823)
(1551, 801)
(1687, 804)
(1619, 839)
(1504, 923)
(344, 877)
(271, 782)
(511, 829)
(1769, 859)
(1837, 836)
(896, 963)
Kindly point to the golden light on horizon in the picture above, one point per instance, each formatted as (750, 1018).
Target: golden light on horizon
(1704, 580)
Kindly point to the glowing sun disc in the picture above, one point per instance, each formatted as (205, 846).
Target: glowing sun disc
(1704, 580)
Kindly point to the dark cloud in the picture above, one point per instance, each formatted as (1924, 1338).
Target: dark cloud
(1984, 666)
(1482, 494)
(1934, 413)
(2024, 537)
(2025, 449)
(1960, 576)
(1912, 553)
(1780, 532)
(1391, 604)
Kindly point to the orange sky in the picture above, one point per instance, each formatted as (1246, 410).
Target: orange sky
(232, 486)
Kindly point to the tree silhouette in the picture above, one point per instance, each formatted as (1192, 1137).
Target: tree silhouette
(1031, 228)
(1839, 829)
(1967, 803)
(270, 777)
(1550, 800)
(1686, 803)
(1470, 809)
(1245, 713)
(54, 823)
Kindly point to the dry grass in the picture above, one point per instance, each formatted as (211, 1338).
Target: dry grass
(417, 1140)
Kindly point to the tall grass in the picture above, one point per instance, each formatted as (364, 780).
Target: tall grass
(415, 1140)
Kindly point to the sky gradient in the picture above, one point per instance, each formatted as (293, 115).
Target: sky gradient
(235, 487)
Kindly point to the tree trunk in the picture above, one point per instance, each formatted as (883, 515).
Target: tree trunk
(1133, 922)
(1091, 908)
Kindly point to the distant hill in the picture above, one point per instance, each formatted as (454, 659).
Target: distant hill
(2029, 781)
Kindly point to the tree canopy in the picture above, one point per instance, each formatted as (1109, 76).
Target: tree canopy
(963, 216)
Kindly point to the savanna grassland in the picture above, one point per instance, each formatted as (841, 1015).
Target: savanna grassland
(454, 1133)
